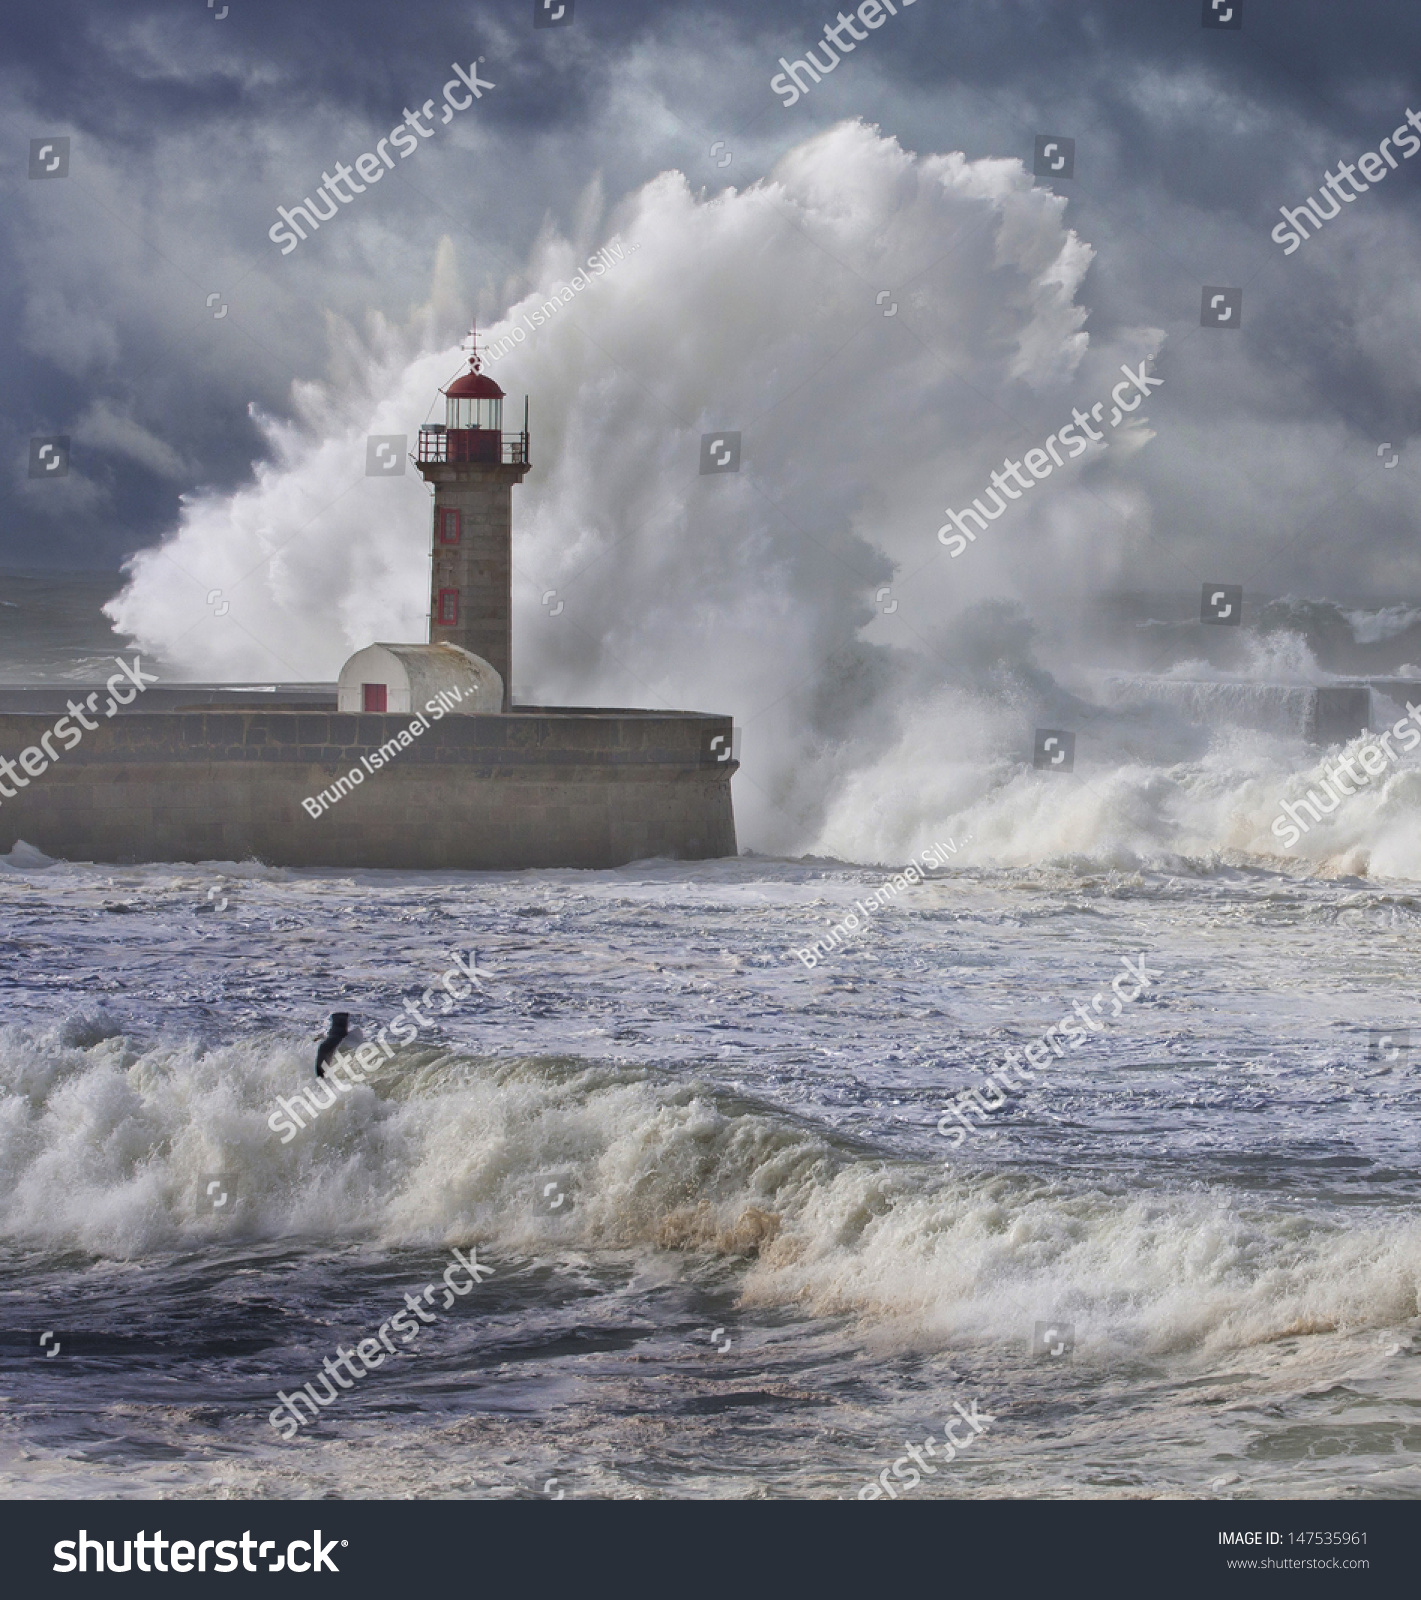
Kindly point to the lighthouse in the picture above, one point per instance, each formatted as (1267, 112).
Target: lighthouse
(432, 767)
(472, 465)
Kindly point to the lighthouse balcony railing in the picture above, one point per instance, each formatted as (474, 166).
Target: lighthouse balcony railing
(440, 444)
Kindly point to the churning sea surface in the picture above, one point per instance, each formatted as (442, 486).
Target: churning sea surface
(731, 1254)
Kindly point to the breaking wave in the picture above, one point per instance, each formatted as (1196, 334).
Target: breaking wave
(114, 1150)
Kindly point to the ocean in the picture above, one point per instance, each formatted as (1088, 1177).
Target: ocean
(734, 1248)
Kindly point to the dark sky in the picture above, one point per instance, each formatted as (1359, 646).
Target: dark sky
(186, 132)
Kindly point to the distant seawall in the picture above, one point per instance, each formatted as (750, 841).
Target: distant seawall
(1322, 715)
(535, 787)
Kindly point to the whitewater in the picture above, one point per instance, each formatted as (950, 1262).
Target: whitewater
(732, 1255)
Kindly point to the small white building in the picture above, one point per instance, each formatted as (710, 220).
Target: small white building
(403, 678)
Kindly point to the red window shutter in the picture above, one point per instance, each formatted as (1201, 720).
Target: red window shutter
(449, 526)
(374, 696)
(448, 614)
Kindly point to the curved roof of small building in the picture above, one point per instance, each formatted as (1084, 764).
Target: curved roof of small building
(428, 668)
(474, 386)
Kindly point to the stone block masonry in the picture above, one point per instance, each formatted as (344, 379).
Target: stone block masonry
(478, 568)
(538, 787)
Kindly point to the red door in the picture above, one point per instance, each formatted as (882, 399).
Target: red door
(374, 696)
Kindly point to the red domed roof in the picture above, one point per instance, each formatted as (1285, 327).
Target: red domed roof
(474, 386)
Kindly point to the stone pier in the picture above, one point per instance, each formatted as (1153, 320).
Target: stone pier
(535, 787)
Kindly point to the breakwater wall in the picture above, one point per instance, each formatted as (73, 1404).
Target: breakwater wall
(535, 787)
